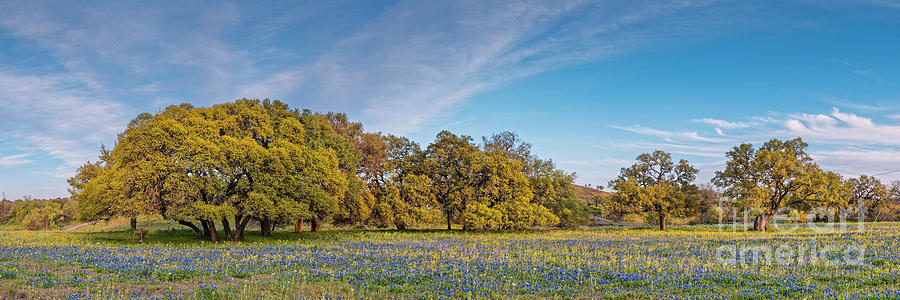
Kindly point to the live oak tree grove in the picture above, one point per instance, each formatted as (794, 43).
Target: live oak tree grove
(223, 166)
(261, 162)
(227, 164)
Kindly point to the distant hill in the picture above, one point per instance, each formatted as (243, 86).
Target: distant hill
(588, 195)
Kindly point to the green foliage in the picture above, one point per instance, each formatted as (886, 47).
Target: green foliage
(714, 215)
(45, 217)
(240, 160)
(655, 184)
(451, 163)
(570, 212)
(484, 189)
(5, 207)
(548, 184)
(90, 189)
(870, 194)
(35, 214)
(778, 175)
(261, 160)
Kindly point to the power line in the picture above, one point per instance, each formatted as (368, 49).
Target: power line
(885, 173)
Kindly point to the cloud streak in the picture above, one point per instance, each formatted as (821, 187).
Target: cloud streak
(408, 75)
(61, 117)
(727, 124)
(14, 160)
(672, 136)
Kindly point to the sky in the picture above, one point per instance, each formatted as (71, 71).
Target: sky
(591, 84)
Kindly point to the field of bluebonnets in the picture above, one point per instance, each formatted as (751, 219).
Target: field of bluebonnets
(587, 263)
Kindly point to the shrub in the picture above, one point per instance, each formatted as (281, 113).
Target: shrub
(42, 214)
(45, 217)
(570, 212)
(713, 215)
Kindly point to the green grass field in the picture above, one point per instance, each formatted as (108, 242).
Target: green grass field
(620, 263)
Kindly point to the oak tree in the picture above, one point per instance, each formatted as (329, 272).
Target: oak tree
(656, 184)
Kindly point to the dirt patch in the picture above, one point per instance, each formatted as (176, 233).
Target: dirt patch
(75, 227)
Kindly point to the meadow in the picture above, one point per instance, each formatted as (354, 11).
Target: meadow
(617, 263)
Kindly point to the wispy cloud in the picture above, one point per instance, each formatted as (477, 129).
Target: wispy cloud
(109, 62)
(727, 124)
(64, 118)
(854, 162)
(150, 41)
(874, 107)
(671, 136)
(841, 127)
(704, 150)
(408, 75)
(14, 160)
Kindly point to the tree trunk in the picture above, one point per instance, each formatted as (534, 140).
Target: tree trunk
(265, 227)
(315, 225)
(662, 221)
(133, 224)
(205, 228)
(213, 235)
(240, 225)
(274, 227)
(192, 226)
(448, 221)
(227, 228)
(762, 221)
(401, 226)
(298, 226)
(877, 214)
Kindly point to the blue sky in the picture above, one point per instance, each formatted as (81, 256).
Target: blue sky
(591, 84)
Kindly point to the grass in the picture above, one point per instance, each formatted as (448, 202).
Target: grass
(615, 263)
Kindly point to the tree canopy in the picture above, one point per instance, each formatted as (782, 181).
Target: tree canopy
(261, 162)
(657, 184)
(777, 175)
(870, 194)
(224, 166)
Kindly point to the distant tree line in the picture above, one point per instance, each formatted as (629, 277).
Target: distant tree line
(38, 214)
(225, 166)
(779, 177)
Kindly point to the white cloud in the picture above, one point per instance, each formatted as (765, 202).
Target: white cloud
(726, 124)
(852, 119)
(854, 162)
(855, 105)
(395, 73)
(407, 75)
(840, 128)
(53, 114)
(705, 150)
(101, 43)
(14, 160)
(671, 136)
(815, 121)
(846, 142)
